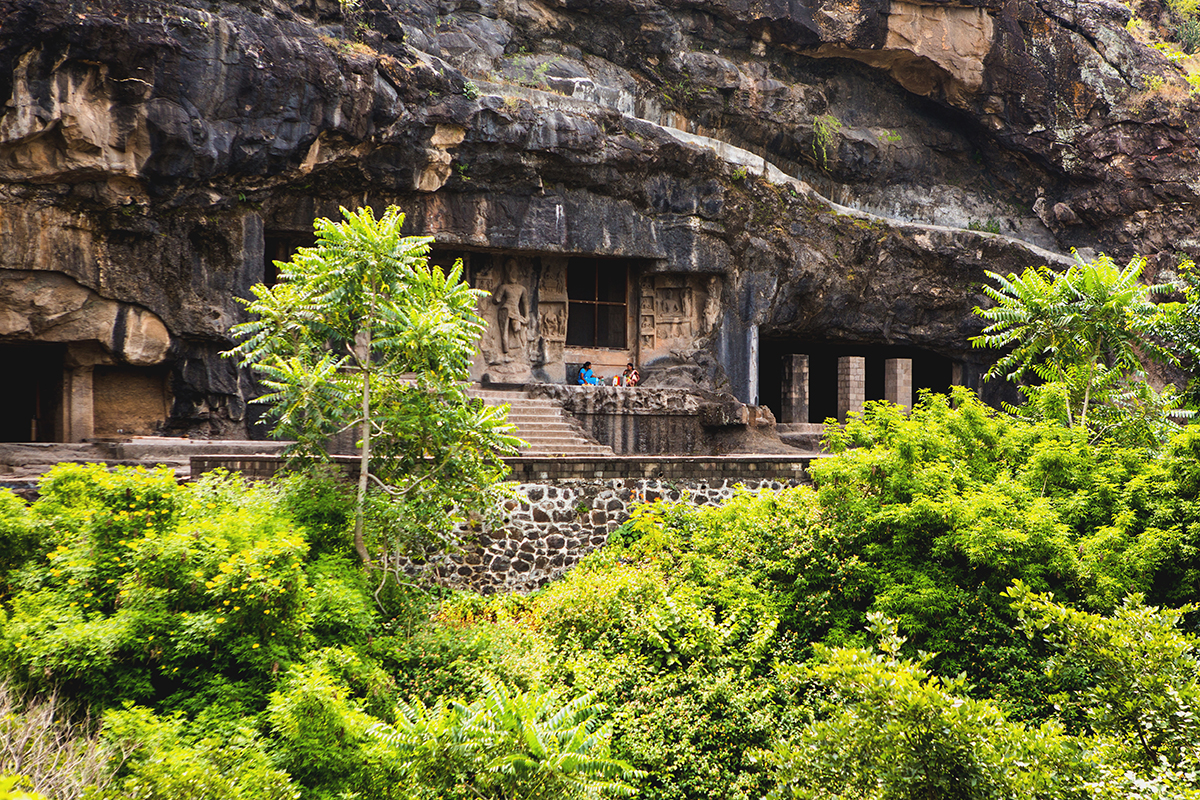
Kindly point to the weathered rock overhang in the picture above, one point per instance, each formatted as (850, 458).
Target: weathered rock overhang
(148, 152)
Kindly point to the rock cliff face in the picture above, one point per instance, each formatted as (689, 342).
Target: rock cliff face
(775, 176)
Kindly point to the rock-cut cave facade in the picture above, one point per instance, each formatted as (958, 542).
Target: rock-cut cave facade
(721, 193)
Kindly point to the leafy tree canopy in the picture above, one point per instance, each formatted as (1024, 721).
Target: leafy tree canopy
(363, 335)
(1083, 333)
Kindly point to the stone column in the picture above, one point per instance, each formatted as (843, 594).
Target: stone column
(78, 404)
(795, 389)
(852, 385)
(897, 382)
(958, 374)
(752, 366)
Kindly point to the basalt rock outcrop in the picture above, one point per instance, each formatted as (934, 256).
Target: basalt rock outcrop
(836, 173)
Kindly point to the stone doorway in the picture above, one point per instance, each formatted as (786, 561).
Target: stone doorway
(31, 405)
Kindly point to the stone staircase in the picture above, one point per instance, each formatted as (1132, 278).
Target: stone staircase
(543, 424)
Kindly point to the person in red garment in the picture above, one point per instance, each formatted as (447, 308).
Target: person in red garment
(631, 376)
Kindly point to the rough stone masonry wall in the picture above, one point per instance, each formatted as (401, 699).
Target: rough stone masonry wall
(550, 527)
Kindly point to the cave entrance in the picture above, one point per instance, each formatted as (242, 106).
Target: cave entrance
(31, 407)
(281, 246)
(815, 397)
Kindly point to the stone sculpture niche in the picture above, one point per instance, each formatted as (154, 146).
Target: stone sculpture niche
(675, 312)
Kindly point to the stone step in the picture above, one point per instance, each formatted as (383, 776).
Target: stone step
(542, 423)
(492, 394)
(557, 440)
(532, 402)
(498, 394)
(539, 419)
(578, 450)
(547, 406)
(562, 429)
(800, 427)
(532, 414)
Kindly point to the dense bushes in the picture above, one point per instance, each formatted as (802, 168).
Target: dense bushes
(233, 647)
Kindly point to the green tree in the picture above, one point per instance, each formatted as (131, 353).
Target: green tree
(1179, 324)
(1143, 691)
(1082, 331)
(362, 334)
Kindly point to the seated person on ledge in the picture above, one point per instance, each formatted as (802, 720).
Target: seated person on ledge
(586, 377)
(631, 377)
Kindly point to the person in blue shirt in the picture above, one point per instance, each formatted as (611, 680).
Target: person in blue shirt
(586, 377)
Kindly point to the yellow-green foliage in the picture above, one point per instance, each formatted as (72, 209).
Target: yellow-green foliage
(148, 585)
(15, 787)
(717, 652)
(1184, 8)
(167, 759)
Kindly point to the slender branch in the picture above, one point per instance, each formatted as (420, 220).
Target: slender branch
(392, 490)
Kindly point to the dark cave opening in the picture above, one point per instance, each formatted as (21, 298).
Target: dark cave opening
(31, 409)
(929, 371)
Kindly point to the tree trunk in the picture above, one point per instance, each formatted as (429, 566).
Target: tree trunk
(1087, 390)
(362, 347)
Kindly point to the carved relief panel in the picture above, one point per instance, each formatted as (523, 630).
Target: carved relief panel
(510, 346)
(675, 312)
(674, 307)
(646, 339)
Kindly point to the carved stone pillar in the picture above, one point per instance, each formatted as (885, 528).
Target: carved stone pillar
(897, 382)
(78, 404)
(852, 385)
(795, 389)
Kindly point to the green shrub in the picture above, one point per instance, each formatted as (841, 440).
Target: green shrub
(342, 606)
(692, 732)
(321, 502)
(153, 588)
(19, 537)
(453, 657)
(506, 745)
(167, 762)
(1188, 35)
(320, 737)
(889, 728)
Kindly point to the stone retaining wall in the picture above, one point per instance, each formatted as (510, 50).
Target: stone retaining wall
(564, 508)
(649, 421)
(549, 527)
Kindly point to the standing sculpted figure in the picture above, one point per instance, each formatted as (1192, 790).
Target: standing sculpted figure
(511, 309)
